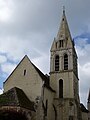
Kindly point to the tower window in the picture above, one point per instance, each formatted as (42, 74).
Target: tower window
(61, 43)
(57, 63)
(60, 88)
(65, 62)
(24, 72)
(63, 19)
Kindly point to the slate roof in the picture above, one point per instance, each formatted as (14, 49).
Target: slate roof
(16, 97)
(83, 109)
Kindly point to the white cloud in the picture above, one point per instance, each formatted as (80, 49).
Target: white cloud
(3, 59)
(83, 50)
(1, 91)
(43, 62)
(14, 47)
(8, 67)
(5, 10)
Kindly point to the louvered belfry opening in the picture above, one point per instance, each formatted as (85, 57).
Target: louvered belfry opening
(65, 62)
(57, 63)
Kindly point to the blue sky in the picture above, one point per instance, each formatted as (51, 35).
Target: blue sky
(29, 27)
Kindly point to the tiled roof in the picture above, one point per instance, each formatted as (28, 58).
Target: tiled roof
(16, 97)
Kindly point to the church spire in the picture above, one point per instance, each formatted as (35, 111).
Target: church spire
(63, 31)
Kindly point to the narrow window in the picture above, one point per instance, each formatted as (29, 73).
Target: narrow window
(63, 19)
(65, 62)
(61, 43)
(60, 88)
(24, 72)
(57, 63)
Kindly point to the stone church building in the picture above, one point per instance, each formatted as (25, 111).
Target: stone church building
(27, 91)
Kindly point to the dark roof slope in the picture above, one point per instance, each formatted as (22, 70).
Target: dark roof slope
(45, 78)
(16, 97)
(40, 73)
(83, 109)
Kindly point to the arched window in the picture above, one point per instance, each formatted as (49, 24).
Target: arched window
(24, 72)
(57, 63)
(61, 43)
(60, 88)
(65, 62)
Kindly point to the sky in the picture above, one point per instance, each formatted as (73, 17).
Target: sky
(29, 27)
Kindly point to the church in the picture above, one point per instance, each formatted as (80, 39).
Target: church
(30, 93)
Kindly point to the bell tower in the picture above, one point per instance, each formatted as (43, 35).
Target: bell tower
(64, 72)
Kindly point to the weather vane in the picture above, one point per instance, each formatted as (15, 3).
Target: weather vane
(63, 9)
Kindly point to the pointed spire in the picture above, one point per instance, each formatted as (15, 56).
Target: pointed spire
(63, 31)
